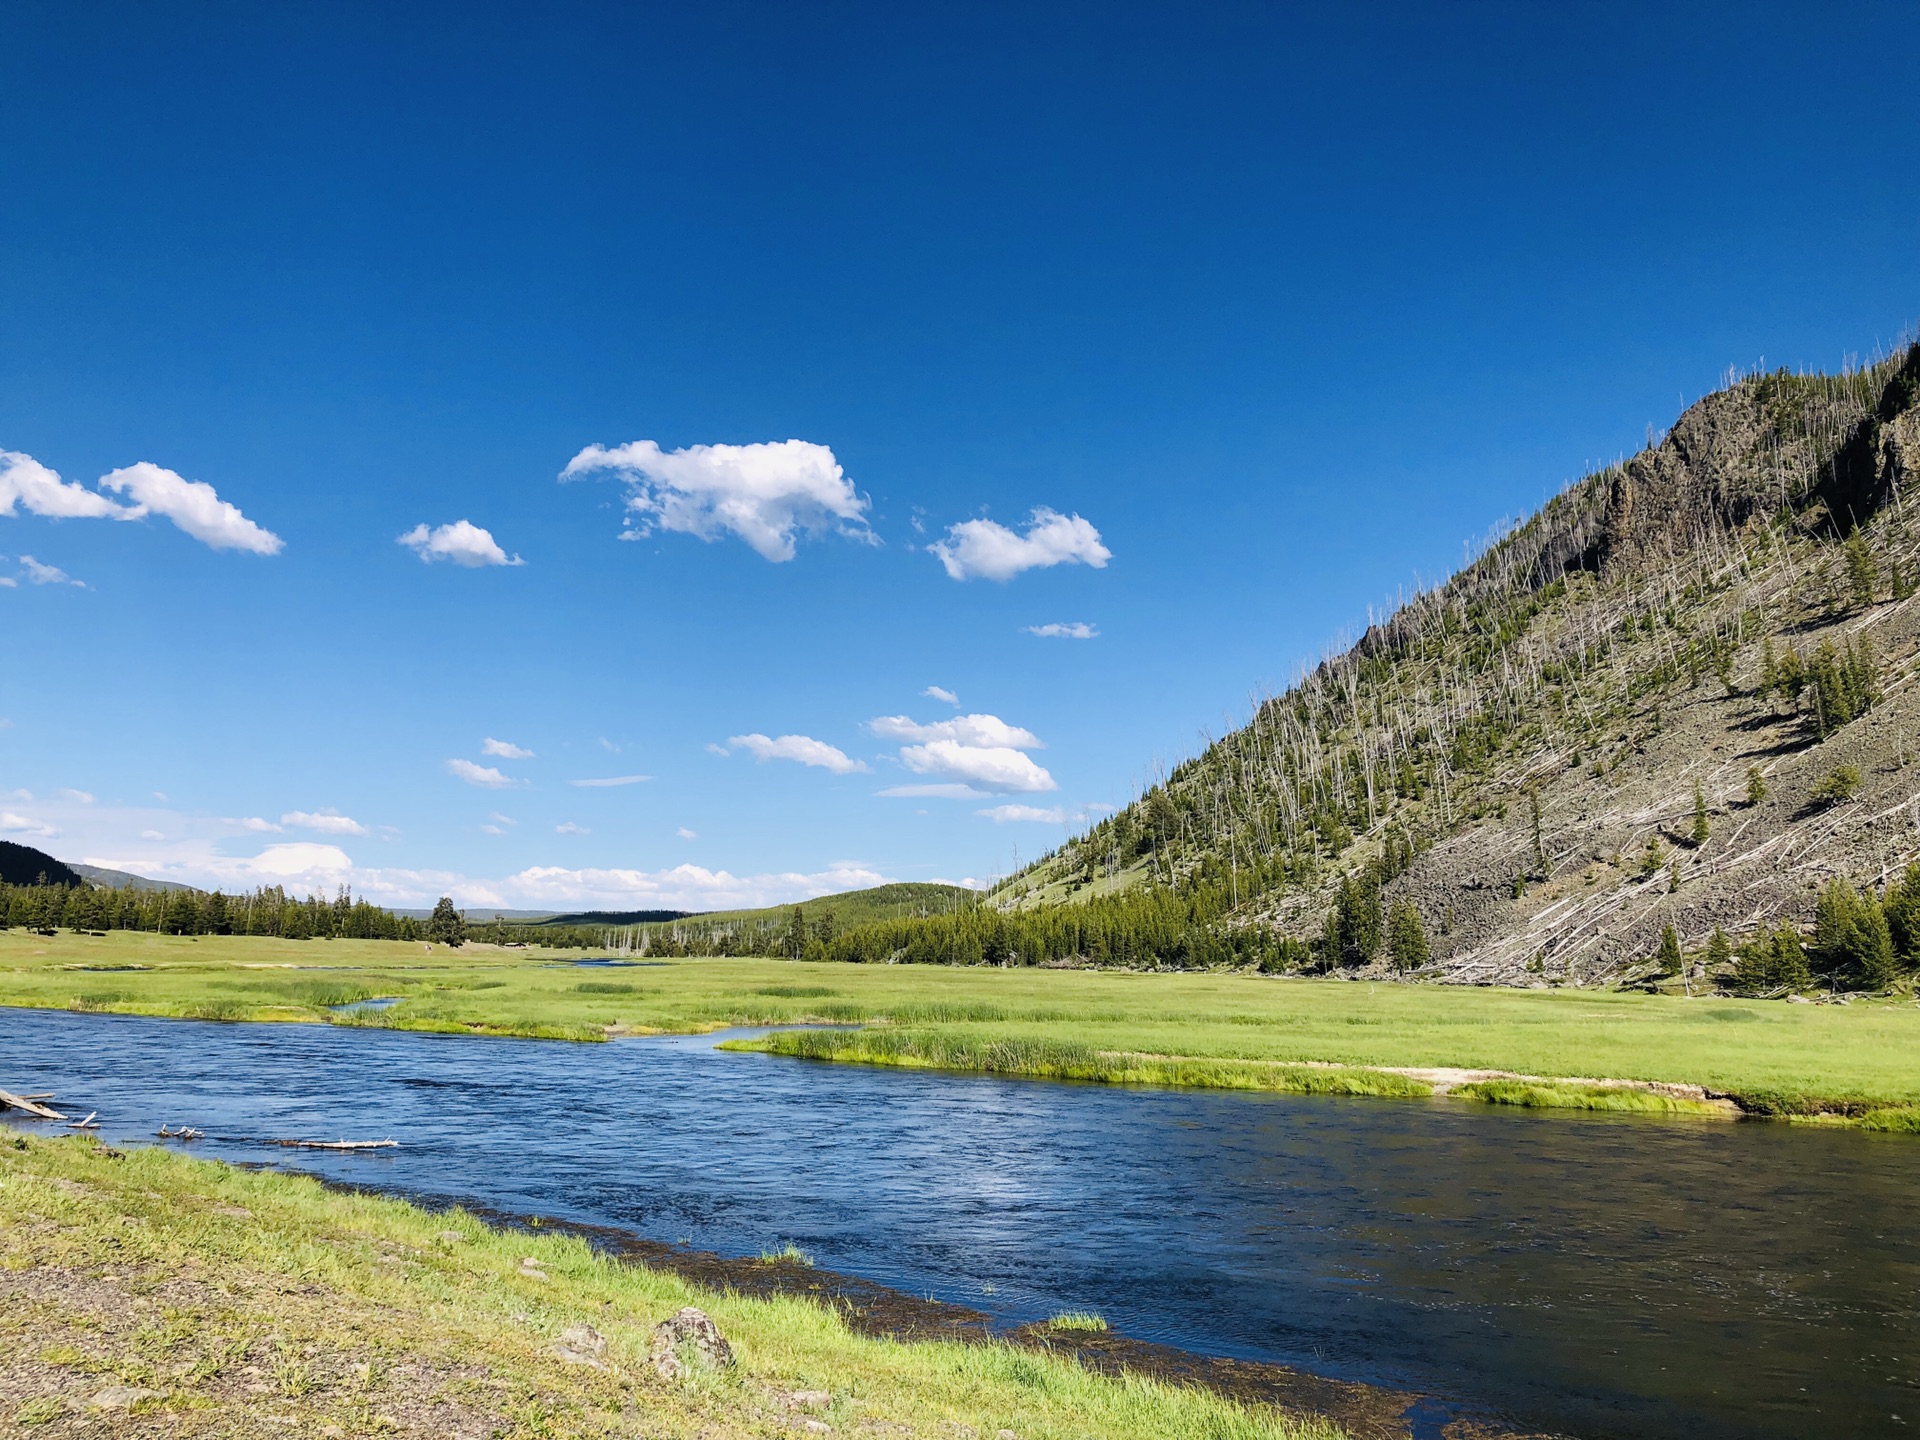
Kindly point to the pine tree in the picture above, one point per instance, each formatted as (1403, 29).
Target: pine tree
(1756, 785)
(445, 925)
(1862, 573)
(1669, 955)
(1719, 950)
(1902, 906)
(1700, 827)
(1407, 943)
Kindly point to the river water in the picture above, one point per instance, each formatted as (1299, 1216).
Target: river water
(1587, 1275)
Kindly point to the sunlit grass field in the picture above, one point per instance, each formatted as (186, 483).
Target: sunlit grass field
(229, 1302)
(1865, 1052)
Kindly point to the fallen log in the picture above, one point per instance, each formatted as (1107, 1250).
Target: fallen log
(86, 1124)
(338, 1144)
(10, 1101)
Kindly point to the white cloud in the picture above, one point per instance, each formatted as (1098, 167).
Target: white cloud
(48, 574)
(192, 505)
(484, 775)
(499, 819)
(78, 797)
(977, 730)
(505, 749)
(1002, 814)
(991, 767)
(981, 752)
(258, 825)
(296, 860)
(491, 830)
(16, 824)
(25, 481)
(7, 582)
(326, 822)
(462, 542)
(684, 887)
(569, 828)
(762, 493)
(608, 746)
(686, 834)
(1065, 630)
(801, 748)
(940, 692)
(152, 835)
(987, 549)
(609, 781)
(934, 792)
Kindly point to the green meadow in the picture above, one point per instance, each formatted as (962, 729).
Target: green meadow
(1215, 1028)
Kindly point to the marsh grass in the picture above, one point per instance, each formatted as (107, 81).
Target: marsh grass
(1040, 1058)
(335, 1295)
(1083, 1320)
(1232, 1029)
(1563, 1095)
(787, 1254)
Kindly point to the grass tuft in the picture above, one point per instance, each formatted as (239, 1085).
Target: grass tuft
(1561, 1095)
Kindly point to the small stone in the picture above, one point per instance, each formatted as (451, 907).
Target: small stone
(581, 1345)
(810, 1399)
(1005, 1435)
(121, 1397)
(686, 1342)
(816, 1427)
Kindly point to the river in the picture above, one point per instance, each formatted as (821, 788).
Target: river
(1588, 1275)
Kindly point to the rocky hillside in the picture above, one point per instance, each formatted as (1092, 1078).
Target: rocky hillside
(1682, 693)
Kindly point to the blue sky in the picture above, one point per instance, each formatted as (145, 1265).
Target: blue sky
(1224, 322)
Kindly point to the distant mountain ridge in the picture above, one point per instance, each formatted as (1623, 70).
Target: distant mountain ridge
(122, 880)
(24, 865)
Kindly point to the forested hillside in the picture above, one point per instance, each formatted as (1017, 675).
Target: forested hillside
(1680, 696)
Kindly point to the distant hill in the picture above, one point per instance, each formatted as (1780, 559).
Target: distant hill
(121, 880)
(851, 907)
(24, 865)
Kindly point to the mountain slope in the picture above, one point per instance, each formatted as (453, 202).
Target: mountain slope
(24, 865)
(1516, 752)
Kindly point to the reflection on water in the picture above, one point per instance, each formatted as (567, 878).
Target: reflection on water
(1599, 1276)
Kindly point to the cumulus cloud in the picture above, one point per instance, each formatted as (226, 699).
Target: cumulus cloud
(997, 768)
(326, 822)
(762, 493)
(78, 797)
(685, 834)
(1065, 630)
(258, 825)
(940, 692)
(986, 549)
(483, 775)
(979, 754)
(801, 748)
(684, 887)
(978, 730)
(26, 482)
(608, 782)
(12, 823)
(48, 574)
(462, 542)
(297, 860)
(569, 828)
(192, 505)
(1003, 814)
(505, 749)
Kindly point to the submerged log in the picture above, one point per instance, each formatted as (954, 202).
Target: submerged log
(30, 1104)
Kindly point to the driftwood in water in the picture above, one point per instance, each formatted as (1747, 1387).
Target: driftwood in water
(30, 1104)
(86, 1124)
(338, 1144)
(185, 1132)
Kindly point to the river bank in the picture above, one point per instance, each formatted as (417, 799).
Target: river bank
(187, 1297)
(1836, 1064)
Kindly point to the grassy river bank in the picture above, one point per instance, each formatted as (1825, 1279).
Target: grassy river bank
(1837, 1064)
(164, 1295)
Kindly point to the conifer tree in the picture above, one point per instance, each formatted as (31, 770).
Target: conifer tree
(1407, 943)
(1756, 785)
(1670, 958)
(1701, 829)
(445, 925)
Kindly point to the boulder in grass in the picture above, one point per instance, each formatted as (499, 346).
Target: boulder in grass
(687, 1343)
(581, 1345)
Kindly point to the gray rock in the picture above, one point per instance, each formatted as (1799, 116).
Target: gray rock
(688, 1342)
(121, 1397)
(581, 1345)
